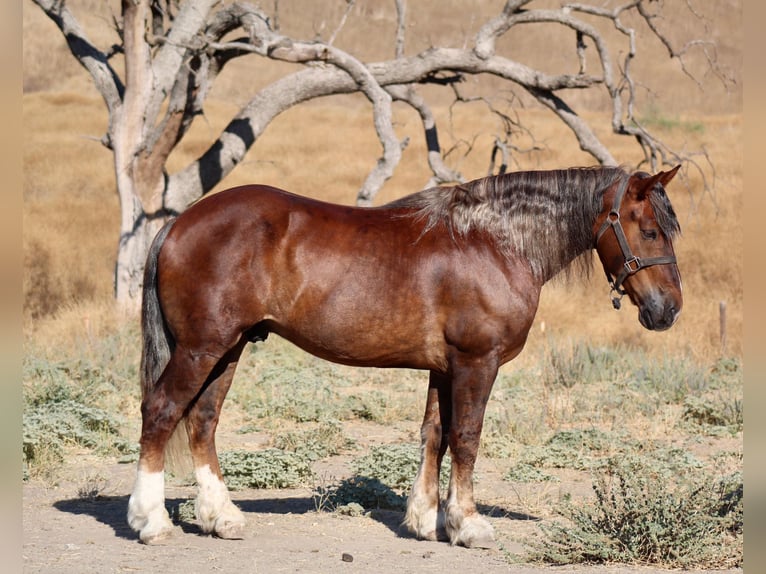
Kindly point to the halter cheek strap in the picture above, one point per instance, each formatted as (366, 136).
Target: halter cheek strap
(632, 263)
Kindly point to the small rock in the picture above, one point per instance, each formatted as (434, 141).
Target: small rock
(346, 557)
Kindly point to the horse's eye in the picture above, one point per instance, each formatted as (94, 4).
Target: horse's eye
(649, 234)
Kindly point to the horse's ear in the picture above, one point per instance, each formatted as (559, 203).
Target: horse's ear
(644, 186)
(666, 176)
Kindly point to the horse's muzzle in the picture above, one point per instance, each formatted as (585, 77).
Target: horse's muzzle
(659, 315)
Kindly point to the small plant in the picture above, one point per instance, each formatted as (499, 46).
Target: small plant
(396, 465)
(523, 472)
(577, 449)
(50, 427)
(270, 468)
(578, 362)
(183, 511)
(647, 515)
(324, 440)
(670, 379)
(369, 492)
(92, 487)
(709, 412)
(382, 479)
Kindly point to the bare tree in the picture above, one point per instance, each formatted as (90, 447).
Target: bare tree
(175, 49)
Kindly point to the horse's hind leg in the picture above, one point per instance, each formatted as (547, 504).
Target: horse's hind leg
(214, 508)
(162, 409)
(423, 518)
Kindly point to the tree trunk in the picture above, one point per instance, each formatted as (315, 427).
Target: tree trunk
(136, 234)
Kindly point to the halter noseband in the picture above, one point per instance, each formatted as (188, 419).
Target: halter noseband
(632, 263)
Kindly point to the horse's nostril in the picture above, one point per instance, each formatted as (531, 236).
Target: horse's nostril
(648, 321)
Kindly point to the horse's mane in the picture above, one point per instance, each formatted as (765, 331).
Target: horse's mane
(546, 216)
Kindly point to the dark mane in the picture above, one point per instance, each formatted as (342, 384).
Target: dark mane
(547, 216)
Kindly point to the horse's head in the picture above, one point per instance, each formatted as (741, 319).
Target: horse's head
(634, 240)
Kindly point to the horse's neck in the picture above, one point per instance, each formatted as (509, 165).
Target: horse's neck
(551, 242)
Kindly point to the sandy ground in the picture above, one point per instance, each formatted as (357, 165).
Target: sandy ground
(68, 530)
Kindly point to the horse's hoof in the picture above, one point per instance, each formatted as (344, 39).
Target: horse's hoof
(230, 531)
(157, 538)
(474, 532)
(485, 542)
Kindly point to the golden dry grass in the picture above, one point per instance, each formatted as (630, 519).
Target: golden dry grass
(326, 148)
(71, 210)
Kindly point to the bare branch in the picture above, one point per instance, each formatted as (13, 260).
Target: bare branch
(499, 147)
(484, 43)
(585, 136)
(172, 55)
(401, 14)
(105, 78)
(441, 173)
(342, 23)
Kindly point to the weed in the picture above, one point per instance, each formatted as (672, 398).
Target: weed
(270, 468)
(324, 440)
(715, 412)
(577, 449)
(670, 379)
(524, 472)
(643, 514)
(381, 479)
(369, 492)
(49, 427)
(184, 511)
(73, 402)
(396, 465)
(566, 365)
(92, 488)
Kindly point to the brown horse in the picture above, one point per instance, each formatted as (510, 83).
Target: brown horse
(446, 280)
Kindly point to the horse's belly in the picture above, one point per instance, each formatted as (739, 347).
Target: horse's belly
(366, 342)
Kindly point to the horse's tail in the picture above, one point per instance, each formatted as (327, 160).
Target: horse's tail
(158, 345)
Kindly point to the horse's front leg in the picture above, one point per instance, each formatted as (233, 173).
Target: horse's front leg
(472, 382)
(423, 517)
(214, 509)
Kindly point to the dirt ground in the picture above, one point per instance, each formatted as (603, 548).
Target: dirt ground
(79, 526)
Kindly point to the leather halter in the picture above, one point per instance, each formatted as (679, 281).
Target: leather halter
(632, 263)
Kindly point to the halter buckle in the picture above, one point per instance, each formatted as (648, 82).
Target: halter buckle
(632, 265)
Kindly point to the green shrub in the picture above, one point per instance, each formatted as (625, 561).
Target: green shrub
(65, 405)
(564, 365)
(324, 440)
(523, 472)
(369, 492)
(270, 468)
(646, 515)
(396, 465)
(577, 449)
(715, 412)
(382, 479)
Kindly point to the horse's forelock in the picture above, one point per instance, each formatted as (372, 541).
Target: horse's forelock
(664, 213)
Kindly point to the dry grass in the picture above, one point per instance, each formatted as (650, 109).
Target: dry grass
(326, 148)
(70, 213)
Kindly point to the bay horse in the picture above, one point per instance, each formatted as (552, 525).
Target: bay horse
(445, 280)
